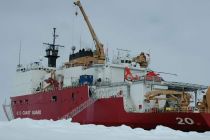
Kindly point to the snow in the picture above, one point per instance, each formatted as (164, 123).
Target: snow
(27, 129)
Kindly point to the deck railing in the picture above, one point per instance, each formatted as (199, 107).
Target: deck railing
(178, 110)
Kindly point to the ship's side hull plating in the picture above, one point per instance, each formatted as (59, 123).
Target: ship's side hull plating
(110, 111)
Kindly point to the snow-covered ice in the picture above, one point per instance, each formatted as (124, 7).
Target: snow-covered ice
(27, 129)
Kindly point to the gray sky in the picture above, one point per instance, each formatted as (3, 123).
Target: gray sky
(175, 32)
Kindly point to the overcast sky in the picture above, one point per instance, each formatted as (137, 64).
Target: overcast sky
(175, 31)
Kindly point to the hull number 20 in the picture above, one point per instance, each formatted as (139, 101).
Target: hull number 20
(184, 121)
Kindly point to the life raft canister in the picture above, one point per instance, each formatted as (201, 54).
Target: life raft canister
(128, 75)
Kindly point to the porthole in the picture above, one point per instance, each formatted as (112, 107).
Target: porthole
(54, 99)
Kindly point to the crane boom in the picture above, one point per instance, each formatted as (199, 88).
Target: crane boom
(99, 46)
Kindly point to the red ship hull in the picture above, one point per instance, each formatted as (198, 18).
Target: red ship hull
(109, 112)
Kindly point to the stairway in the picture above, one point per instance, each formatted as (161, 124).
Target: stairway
(80, 108)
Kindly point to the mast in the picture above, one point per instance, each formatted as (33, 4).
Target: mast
(19, 65)
(99, 46)
(52, 51)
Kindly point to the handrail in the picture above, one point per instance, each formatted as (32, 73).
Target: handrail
(79, 109)
(177, 110)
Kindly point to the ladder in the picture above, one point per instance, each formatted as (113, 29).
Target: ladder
(8, 111)
(80, 108)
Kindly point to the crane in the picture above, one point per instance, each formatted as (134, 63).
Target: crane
(99, 54)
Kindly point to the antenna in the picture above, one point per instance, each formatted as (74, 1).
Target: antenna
(123, 50)
(19, 54)
(168, 73)
(107, 52)
(54, 36)
(80, 42)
